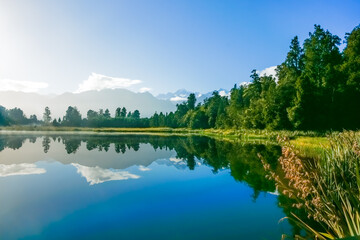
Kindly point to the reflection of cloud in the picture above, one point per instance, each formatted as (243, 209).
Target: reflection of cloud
(143, 168)
(177, 160)
(20, 169)
(276, 193)
(96, 175)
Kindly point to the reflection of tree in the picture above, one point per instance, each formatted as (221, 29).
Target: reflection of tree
(46, 144)
(32, 139)
(120, 148)
(15, 143)
(2, 144)
(71, 144)
(240, 158)
(246, 166)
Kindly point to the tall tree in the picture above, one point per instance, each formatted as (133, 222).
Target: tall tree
(123, 112)
(16, 116)
(288, 72)
(321, 61)
(3, 117)
(107, 113)
(191, 100)
(47, 116)
(351, 71)
(72, 117)
(136, 114)
(117, 112)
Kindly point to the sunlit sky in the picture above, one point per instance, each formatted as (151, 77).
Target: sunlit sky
(61, 46)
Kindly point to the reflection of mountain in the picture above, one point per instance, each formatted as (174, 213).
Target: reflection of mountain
(96, 175)
(20, 169)
(98, 153)
(176, 162)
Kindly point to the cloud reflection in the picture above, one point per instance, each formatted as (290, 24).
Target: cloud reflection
(96, 175)
(20, 169)
(143, 168)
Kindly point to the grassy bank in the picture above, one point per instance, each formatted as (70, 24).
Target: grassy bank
(242, 133)
(310, 142)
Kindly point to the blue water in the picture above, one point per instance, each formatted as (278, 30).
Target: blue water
(143, 193)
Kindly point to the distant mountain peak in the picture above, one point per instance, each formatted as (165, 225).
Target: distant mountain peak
(182, 94)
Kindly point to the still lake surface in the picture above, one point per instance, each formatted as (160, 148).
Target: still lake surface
(67, 186)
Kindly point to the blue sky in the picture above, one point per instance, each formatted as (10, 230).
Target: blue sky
(162, 45)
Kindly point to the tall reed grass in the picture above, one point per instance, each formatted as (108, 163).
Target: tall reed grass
(327, 188)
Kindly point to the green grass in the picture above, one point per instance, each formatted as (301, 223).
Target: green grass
(248, 135)
(311, 146)
(225, 134)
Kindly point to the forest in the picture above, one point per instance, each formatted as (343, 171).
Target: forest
(317, 87)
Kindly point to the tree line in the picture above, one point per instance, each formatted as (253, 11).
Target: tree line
(73, 118)
(317, 87)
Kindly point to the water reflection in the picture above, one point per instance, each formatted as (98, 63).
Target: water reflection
(96, 175)
(137, 181)
(240, 158)
(20, 169)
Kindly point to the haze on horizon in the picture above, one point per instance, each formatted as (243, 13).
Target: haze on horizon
(157, 46)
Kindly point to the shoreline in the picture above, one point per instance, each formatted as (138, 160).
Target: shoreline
(305, 140)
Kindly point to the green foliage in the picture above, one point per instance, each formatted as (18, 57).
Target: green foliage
(3, 117)
(47, 115)
(317, 88)
(72, 117)
(351, 72)
(327, 188)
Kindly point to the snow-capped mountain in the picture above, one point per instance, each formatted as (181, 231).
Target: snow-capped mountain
(181, 95)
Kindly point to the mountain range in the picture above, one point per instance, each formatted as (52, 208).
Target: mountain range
(33, 103)
(146, 103)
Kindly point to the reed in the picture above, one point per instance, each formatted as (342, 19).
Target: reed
(327, 187)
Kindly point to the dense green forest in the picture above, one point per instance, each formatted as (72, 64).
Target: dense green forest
(317, 87)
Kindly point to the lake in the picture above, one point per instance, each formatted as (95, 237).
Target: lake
(93, 186)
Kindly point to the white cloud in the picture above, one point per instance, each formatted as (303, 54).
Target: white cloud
(99, 82)
(268, 71)
(20, 169)
(143, 168)
(144, 89)
(21, 86)
(96, 175)
(178, 99)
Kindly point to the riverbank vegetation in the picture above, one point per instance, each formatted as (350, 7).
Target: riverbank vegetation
(324, 190)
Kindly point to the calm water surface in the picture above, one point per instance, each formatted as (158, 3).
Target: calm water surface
(136, 187)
